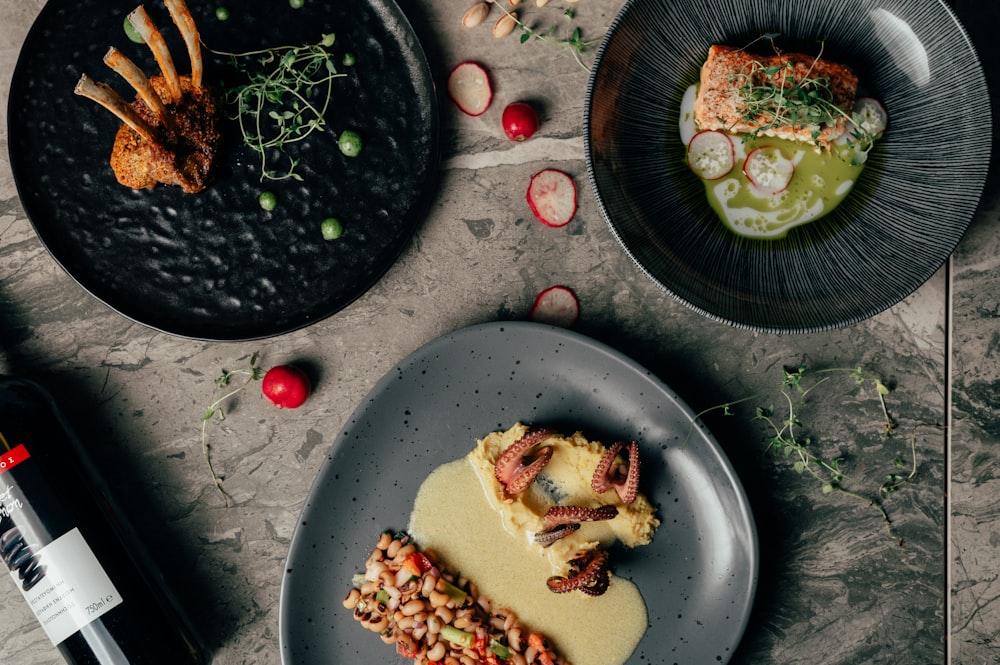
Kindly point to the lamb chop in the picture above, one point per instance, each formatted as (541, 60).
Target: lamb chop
(169, 133)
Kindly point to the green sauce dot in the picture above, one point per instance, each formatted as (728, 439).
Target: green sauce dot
(268, 200)
(349, 59)
(331, 228)
(222, 13)
(296, 4)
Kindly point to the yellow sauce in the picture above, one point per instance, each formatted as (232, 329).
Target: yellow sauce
(822, 179)
(453, 516)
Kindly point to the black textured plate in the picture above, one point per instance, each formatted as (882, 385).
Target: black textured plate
(698, 576)
(214, 265)
(906, 214)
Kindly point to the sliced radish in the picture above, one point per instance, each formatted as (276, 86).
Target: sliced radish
(552, 197)
(768, 170)
(711, 154)
(469, 87)
(557, 306)
(871, 115)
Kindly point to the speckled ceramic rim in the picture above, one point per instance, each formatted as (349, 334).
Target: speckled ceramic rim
(699, 575)
(896, 229)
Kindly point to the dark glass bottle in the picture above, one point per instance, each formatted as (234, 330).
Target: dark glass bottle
(70, 552)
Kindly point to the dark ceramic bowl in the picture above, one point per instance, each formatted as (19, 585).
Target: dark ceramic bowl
(898, 226)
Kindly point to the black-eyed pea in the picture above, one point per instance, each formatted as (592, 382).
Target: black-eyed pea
(437, 653)
(445, 613)
(412, 607)
(351, 601)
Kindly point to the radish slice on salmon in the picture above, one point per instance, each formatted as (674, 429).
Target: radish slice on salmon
(469, 87)
(768, 170)
(552, 197)
(557, 306)
(711, 154)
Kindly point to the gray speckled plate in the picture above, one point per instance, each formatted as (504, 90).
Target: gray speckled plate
(214, 265)
(698, 577)
(897, 227)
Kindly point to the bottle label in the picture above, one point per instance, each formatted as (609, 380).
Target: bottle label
(72, 589)
(60, 578)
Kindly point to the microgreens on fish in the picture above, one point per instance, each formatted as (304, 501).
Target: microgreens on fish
(775, 93)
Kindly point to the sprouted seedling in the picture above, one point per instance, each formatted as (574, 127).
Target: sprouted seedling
(787, 439)
(285, 100)
(215, 410)
(773, 92)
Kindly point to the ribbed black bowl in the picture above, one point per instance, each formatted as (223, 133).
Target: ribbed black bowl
(905, 216)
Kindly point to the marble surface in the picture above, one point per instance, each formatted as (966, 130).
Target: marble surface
(836, 586)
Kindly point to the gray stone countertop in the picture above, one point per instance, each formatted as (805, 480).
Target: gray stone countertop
(836, 586)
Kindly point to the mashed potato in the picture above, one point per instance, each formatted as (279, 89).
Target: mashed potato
(565, 480)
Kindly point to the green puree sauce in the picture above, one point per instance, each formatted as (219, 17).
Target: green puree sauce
(821, 181)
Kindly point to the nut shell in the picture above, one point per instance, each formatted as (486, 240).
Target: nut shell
(475, 14)
(505, 25)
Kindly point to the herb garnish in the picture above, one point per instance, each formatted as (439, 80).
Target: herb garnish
(285, 101)
(773, 92)
(222, 382)
(786, 438)
(576, 44)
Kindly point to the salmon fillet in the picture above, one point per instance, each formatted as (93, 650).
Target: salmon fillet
(729, 74)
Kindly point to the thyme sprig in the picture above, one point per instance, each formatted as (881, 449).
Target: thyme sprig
(252, 372)
(575, 42)
(787, 439)
(285, 100)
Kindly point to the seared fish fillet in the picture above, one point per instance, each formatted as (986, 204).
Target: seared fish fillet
(728, 73)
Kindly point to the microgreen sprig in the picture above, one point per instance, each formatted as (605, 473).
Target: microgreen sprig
(787, 439)
(773, 92)
(215, 410)
(285, 100)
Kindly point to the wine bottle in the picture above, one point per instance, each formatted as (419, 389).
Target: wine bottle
(70, 551)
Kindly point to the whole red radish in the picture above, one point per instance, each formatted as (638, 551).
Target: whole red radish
(286, 386)
(520, 121)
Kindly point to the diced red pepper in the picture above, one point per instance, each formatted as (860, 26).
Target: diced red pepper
(408, 650)
(418, 563)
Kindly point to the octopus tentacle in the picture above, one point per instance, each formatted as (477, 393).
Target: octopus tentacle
(588, 570)
(608, 476)
(561, 515)
(510, 469)
(550, 536)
